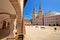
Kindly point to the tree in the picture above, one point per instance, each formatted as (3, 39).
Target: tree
(30, 20)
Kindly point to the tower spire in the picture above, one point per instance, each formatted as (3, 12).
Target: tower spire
(34, 12)
(34, 9)
(40, 9)
(40, 6)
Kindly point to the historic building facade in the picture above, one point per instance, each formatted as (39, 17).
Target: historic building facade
(52, 19)
(48, 19)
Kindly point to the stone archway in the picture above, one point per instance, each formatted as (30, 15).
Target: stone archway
(19, 13)
(7, 21)
(4, 29)
(18, 6)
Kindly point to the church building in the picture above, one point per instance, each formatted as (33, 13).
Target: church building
(45, 19)
(38, 19)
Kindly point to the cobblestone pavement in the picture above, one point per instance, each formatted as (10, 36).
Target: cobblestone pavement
(42, 33)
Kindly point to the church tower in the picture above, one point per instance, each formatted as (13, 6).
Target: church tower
(34, 12)
(40, 16)
(34, 15)
(40, 10)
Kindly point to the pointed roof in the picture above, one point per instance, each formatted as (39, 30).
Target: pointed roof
(40, 8)
(34, 11)
(34, 8)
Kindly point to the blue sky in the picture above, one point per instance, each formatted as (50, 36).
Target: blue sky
(52, 5)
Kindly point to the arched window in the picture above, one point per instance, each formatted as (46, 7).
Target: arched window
(53, 24)
(4, 25)
(57, 25)
(49, 25)
(37, 24)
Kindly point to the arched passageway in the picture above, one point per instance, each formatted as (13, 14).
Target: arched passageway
(6, 25)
